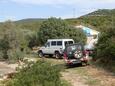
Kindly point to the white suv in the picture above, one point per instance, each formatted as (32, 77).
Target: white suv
(54, 47)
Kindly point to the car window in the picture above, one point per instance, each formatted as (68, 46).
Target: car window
(69, 49)
(53, 43)
(65, 43)
(47, 44)
(59, 43)
(68, 42)
(79, 47)
(73, 48)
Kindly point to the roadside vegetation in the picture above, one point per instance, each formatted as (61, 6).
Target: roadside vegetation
(99, 20)
(57, 28)
(105, 50)
(103, 21)
(17, 41)
(13, 43)
(41, 73)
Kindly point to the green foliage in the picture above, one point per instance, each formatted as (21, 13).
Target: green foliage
(26, 30)
(4, 47)
(103, 21)
(105, 49)
(37, 74)
(29, 24)
(99, 20)
(33, 40)
(12, 41)
(56, 28)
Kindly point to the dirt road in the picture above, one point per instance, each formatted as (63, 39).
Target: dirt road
(88, 76)
(6, 68)
(77, 76)
(73, 78)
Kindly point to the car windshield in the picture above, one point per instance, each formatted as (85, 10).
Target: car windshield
(73, 48)
(70, 50)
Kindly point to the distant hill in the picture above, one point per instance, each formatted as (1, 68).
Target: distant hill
(28, 20)
(102, 12)
(99, 20)
(30, 23)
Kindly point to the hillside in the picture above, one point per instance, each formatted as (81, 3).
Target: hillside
(28, 20)
(99, 19)
(102, 12)
(29, 23)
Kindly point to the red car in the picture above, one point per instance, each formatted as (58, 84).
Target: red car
(75, 53)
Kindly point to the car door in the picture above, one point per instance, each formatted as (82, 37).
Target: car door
(53, 47)
(46, 48)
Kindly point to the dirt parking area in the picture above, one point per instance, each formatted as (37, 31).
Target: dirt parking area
(88, 76)
(77, 76)
(6, 68)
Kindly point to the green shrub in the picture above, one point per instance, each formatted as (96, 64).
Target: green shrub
(105, 49)
(37, 74)
(57, 28)
(106, 45)
(12, 41)
(4, 47)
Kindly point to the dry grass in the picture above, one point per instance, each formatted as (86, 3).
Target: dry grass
(106, 78)
(85, 76)
(80, 76)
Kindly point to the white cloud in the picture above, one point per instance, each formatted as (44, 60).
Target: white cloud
(60, 2)
(9, 17)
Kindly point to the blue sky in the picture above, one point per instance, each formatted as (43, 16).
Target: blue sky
(21, 9)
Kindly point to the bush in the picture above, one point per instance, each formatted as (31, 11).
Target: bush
(32, 40)
(4, 47)
(105, 49)
(37, 74)
(12, 41)
(57, 28)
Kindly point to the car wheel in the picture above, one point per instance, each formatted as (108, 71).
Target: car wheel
(78, 54)
(40, 54)
(57, 55)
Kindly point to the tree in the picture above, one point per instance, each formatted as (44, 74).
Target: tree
(12, 41)
(105, 49)
(57, 28)
(33, 41)
(4, 47)
(37, 74)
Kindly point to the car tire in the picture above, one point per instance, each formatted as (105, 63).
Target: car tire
(78, 54)
(57, 55)
(40, 54)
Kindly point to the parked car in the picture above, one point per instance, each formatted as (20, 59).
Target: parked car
(75, 53)
(54, 47)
